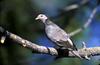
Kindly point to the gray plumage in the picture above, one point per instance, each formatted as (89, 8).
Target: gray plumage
(56, 34)
(59, 36)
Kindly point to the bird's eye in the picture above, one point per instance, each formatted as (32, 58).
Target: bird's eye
(41, 16)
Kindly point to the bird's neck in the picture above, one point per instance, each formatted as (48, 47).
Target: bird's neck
(48, 22)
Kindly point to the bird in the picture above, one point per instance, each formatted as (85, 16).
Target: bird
(57, 35)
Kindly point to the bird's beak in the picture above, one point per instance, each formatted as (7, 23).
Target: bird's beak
(36, 18)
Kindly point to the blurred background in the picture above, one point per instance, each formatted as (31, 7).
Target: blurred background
(18, 17)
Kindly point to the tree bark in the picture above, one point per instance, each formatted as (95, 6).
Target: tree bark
(83, 52)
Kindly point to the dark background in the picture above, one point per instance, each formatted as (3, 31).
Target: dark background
(18, 17)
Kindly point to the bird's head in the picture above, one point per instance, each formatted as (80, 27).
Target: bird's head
(41, 17)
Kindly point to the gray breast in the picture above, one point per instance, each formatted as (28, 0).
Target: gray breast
(51, 32)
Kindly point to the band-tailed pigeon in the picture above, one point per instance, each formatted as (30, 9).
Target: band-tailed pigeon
(57, 35)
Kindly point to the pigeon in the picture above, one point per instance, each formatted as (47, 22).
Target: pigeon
(57, 35)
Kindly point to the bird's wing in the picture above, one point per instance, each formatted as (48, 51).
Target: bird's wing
(66, 44)
(61, 34)
(63, 40)
(58, 35)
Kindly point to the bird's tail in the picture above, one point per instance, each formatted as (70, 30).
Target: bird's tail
(76, 54)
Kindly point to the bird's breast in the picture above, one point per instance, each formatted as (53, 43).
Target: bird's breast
(51, 32)
(50, 29)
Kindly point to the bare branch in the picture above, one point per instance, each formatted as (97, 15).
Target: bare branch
(86, 24)
(70, 8)
(75, 6)
(50, 50)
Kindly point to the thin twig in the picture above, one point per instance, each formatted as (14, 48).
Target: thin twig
(88, 22)
(75, 6)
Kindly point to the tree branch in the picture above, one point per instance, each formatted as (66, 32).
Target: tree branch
(70, 8)
(75, 6)
(88, 22)
(50, 50)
